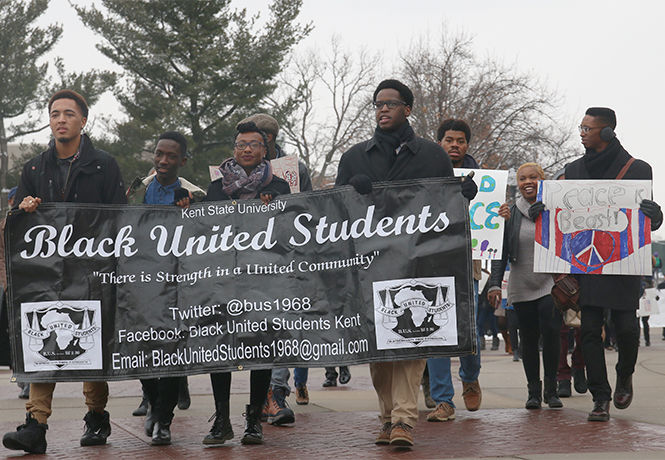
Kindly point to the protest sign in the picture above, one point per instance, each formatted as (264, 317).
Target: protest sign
(486, 224)
(104, 292)
(593, 227)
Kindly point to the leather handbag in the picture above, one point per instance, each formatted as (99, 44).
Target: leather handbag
(566, 292)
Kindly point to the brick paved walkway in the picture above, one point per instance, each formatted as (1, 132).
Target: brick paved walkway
(487, 433)
(341, 422)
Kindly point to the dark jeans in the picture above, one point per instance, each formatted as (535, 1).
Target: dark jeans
(163, 396)
(628, 338)
(538, 318)
(259, 382)
(576, 359)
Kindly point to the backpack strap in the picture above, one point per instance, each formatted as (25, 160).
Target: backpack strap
(624, 170)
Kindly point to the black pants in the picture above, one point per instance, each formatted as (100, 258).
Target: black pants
(163, 396)
(538, 318)
(513, 328)
(259, 382)
(627, 333)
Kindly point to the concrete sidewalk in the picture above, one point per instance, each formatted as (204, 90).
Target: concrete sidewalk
(341, 422)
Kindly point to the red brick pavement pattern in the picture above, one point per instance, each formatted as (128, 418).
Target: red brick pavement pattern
(497, 432)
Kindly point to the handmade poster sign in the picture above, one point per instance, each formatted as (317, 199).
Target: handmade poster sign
(486, 224)
(593, 227)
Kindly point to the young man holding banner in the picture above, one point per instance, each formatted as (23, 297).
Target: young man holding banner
(605, 158)
(395, 153)
(164, 187)
(70, 170)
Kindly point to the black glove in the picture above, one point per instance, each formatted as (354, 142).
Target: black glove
(653, 212)
(469, 187)
(535, 210)
(179, 194)
(362, 184)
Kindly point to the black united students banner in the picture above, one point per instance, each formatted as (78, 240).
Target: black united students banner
(323, 278)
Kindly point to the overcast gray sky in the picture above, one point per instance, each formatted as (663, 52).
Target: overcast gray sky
(594, 53)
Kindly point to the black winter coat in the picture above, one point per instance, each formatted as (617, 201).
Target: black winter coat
(276, 187)
(418, 158)
(94, 178)
(621, 292)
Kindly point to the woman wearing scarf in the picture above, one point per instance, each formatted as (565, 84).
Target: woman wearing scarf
(529, 293)
(248, 175)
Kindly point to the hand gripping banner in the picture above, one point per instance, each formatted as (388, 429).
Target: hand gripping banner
(106, 292)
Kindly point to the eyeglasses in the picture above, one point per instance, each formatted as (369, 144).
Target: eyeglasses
(586, 129)
(378, 105)
(254, 145)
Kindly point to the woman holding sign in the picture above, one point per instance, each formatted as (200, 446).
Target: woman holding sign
(248, 175)
(529, 293)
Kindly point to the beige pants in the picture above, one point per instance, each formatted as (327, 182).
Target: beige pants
(397, 384)
(41, 395)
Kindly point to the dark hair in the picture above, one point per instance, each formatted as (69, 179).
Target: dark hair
(605, 115)
(453, 124)
(177, 137)
(402, 89)
(70, 94)
(250, 127)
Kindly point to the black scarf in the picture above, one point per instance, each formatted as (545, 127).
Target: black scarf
(389, 141)
(597, 163)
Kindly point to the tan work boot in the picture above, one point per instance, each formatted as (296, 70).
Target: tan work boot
(442, 413)
(400, 435)
(302, 395)
(472, 395)
(383, 438)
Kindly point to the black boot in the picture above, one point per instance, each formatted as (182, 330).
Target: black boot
(30, 437)
(344, 375)
(253, 431)
(550, 394)
(564, 389)
(221, 428)
(184, 401)
(97, 428)
(143, 407)
(579, 380)
(600, 412)
(535, 395)
(623, 391)
(161, 433)
(149, 421)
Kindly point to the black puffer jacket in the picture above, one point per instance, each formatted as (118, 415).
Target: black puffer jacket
(94, 178)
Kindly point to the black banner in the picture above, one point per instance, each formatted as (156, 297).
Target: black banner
(101, 292)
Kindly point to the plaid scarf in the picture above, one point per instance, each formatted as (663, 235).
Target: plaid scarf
(237, 184)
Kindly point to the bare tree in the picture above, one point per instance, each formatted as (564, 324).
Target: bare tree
(511, 114)
(322, 104)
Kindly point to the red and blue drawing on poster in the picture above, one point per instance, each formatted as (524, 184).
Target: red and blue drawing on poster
(593, 227)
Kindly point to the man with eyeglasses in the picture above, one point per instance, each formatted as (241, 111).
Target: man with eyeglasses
(395, 153)
(605, 157)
